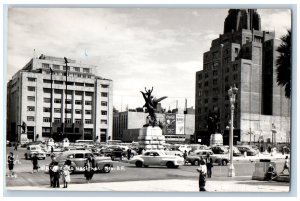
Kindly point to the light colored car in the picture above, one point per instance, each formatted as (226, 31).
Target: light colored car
(195, 157)
(184, 148)
(78, 158)
(157, 158)
(31, 150)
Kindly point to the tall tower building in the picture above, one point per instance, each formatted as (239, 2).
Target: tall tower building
(244, 56)
(58, 101)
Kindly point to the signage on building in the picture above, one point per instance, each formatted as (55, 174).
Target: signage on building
(179, 124)
(170, 124)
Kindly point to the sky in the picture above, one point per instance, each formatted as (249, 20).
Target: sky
(135, 47)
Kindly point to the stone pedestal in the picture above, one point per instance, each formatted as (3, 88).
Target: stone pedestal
(151, 138)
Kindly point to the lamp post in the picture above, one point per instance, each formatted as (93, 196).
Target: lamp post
(64, 127)
(51, 104)
(232, 93)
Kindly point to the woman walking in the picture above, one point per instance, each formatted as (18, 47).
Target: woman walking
(11, 161)
(35, 163)
(66, 173)
(202, 175)
(89, 168)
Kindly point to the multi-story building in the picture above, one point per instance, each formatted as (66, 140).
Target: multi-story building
(126, 125)
(244, 56)
(59, 98)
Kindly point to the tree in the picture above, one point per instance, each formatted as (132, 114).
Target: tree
(283, 63)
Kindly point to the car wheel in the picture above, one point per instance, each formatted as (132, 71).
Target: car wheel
(170, 164)
(196, 162)
(224, 162)
(138, 164)
(106, 168)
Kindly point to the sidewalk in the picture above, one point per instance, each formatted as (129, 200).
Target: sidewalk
(173, 185)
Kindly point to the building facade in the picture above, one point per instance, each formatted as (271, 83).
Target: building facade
(58, 99)
(244, 56)
(126, 126)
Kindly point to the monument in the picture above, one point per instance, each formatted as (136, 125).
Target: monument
(150, 136)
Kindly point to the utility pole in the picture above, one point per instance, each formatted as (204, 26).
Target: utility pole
(64, 127)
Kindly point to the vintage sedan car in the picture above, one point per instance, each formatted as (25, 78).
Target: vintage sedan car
(195, 157)
(250, 151)
(157, 158)
(31, 150)
(78, 158)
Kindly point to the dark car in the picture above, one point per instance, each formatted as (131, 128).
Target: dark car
(250, 151)
(219, 150)
(112, 152)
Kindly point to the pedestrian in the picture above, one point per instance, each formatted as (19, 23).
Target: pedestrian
(66, 173)
(128, 153)
(11, 161)
(16, 146)
(143, 151)
(209, 165)
(269, 149)
(52, 149)
(35, 163)
(271, 173)
(202, 175)
(286, 165)
(56, 175)
(89, 169)
(51, 173)
(185, 157)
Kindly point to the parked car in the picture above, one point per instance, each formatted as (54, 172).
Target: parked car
(31, 150)
(250, 151)
(184, 148)
(219, 149)
(195, 157)
(174, 153)
(156, 158)
(78, 158)
(236, 151)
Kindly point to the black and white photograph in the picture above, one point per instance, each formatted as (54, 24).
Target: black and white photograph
(148, 99)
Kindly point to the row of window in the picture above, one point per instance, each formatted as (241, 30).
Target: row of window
(46, 81)
(58, 67)
(58, 110)
(67, 120)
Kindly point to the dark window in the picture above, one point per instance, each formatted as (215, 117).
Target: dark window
(57, 110)
(103, 103)
(30, 108)
(79, 155)
(68, 120)
(31, 79)
(104, 85)
(45, 66)
(30, 88)
(58, 82)
(56, 100)
(56, 67)
(79, 84)
(103, 112)
(30, 98)
(57, 120)
(89, 85)
(47, 100)
(88, 121)
(46, 109)
(77, 111)
(46, 81)
(104, 94)
(88, 102)
(68, 101)
(30, 118)
(68, 110)
(46, 119)
(88, 112)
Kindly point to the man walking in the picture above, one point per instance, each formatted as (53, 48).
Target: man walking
(286, 165)
(128, 153)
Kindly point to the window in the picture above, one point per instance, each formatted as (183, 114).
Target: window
(30, 98)
(77, 69)
(88, 93)
(56, 67)
(64, 68)
(31, 79)
(206, 84)
(79, 155)
(86, 70)
(235, 76)
(215, 100)
(88, 102)
(103, 112)
(46, 119)
(46, 81)
(215, 72)
(58, 82)
(103, 121)
(88, 112)
(89, 85)
(77, 111)
(88, 121)
(30, 108)
(68, 121)
(226, 79)
(46, 66)
(30, 118)
(103, 103)
(46, 109)
(235, 67)
(78, 121)
(68, 101)
(215, 81)
(206, 75)
(30, 88)
(46, 90)
(70, 83)
(200, 76)
(57, 110)
(57, 120)
(47, 100)
(68, 110)
(104, 85)
(104, 94)
(78, 102)
(89, 76)
(200, 85)
(56, 100)
(206, 100)
(79, 84)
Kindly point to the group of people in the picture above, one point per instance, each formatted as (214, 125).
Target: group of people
(205, 170)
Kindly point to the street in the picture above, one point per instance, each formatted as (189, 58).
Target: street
(124, 171)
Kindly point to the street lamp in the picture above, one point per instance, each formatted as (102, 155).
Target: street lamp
(232, 93)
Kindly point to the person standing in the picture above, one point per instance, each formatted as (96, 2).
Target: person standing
(209, 165)
(11, 161)
(202, 175)
(185, 157)
(35, 163)
(89, 168)
(56, 172)
(16, 146)
(128, 153)
(286, 165)
(66, 173)
(51, 173)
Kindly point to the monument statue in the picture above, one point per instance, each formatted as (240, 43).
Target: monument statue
(151, 106)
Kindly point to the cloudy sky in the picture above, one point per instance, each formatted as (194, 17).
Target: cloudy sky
(136, 48)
